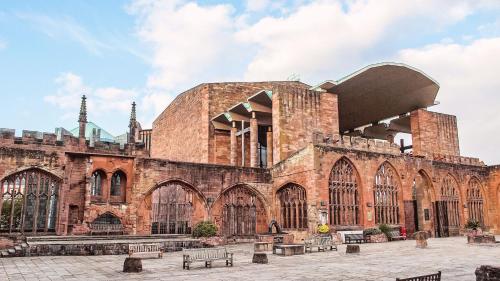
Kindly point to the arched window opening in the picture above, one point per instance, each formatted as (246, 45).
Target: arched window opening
(448, 208)
(172, 209)
(118, 183)
(386, 194)
(28, 202)
(343, 194)
(475, 203)
(96, 183)
(107, 218)
(240, 213)
(293, 207)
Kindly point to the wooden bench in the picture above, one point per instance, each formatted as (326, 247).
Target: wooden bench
(396, 235)
(355, 238)
(141, 250)
(321, 242)
(288, 249)
(430, 277)
(207, 255)
(105, 228)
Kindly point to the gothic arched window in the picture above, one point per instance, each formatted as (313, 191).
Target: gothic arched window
(343, 194)
(118, 183)
(28, 201)
(450, 201)
(386, 194)
(96, 183)
(475, 201)
(172, 209)
(293, 206)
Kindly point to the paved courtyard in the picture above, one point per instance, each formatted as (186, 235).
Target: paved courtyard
(385, 261)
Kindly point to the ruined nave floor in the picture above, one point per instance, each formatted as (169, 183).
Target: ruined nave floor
(453, 256)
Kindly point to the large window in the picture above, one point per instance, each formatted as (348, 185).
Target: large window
(475, 201)
(96, 183)
(28, 202)
(386, 194)
(241, 210)
(118, 182)
(293, 206)
(450, 199)
(343, 194)
(172, 209)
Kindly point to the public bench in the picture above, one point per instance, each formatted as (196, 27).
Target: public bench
(396, 235)
(105, 228)
(355, 238)
(207, 255)
(430, 277)
(321, 242)
(141, 250)
(288, 249)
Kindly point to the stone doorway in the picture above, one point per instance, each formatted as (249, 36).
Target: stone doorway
(419, 211)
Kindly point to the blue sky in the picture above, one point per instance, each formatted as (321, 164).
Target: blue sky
(149, 51)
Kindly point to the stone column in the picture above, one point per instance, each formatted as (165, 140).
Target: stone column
(269, 147)
(254, 139)
(234, 144)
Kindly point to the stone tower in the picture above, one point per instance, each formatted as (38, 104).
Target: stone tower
(82, 120)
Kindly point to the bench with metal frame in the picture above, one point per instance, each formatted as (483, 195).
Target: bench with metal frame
(145, 250)
(321, 242)
(430, 277)
(355, 238)
(105, 228)
(207, 255)
(396, 235)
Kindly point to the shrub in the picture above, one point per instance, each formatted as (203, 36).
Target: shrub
(205, 229)
(472, 224)
(385, 229)
(371, 231)
(323, 229)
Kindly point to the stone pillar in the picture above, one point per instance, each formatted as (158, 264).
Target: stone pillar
(254, 139)
(234, 144)
(269, 147)
(82, 121)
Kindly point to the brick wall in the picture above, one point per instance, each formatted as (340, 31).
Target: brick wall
(299, 115)
(434, 133)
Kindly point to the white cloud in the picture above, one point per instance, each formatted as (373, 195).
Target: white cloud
(257, 5)
(65, 28)
(186, 38)
(3, 45)
(101, 101)
(468, 76)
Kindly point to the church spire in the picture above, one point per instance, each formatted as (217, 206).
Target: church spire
(83, 110)
(133, 117)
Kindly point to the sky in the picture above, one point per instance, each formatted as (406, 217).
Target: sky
(149, 51)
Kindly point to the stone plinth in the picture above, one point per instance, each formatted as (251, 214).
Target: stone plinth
(288, 250)
(481, 239)
(260, 258)
(377, 238)
(421, 239)
(262, 246)
(352, 249)
(284, 238)
(132, 265)
(488, 273)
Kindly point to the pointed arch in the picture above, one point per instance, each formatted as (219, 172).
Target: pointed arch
(475, 201)
(172, 207)
(241, 211)
(344, 195)
(29, 201)
(292, 201)
(448, 207)
(386, 194)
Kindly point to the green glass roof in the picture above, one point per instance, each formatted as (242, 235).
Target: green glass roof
(105, 136)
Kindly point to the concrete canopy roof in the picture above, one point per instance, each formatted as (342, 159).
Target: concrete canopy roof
(379, 92)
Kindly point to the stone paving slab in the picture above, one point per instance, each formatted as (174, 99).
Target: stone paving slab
(385, 261)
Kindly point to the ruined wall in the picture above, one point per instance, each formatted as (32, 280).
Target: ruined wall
(208, 181)
(299, 117)
(493, 193)
(311, 168)
(181, 131)
(434, 133)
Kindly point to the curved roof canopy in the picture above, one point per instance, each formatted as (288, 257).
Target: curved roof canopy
(381, 91)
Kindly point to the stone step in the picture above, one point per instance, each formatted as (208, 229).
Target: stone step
(110, 237)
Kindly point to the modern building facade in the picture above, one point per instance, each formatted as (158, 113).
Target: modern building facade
(243, 154)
